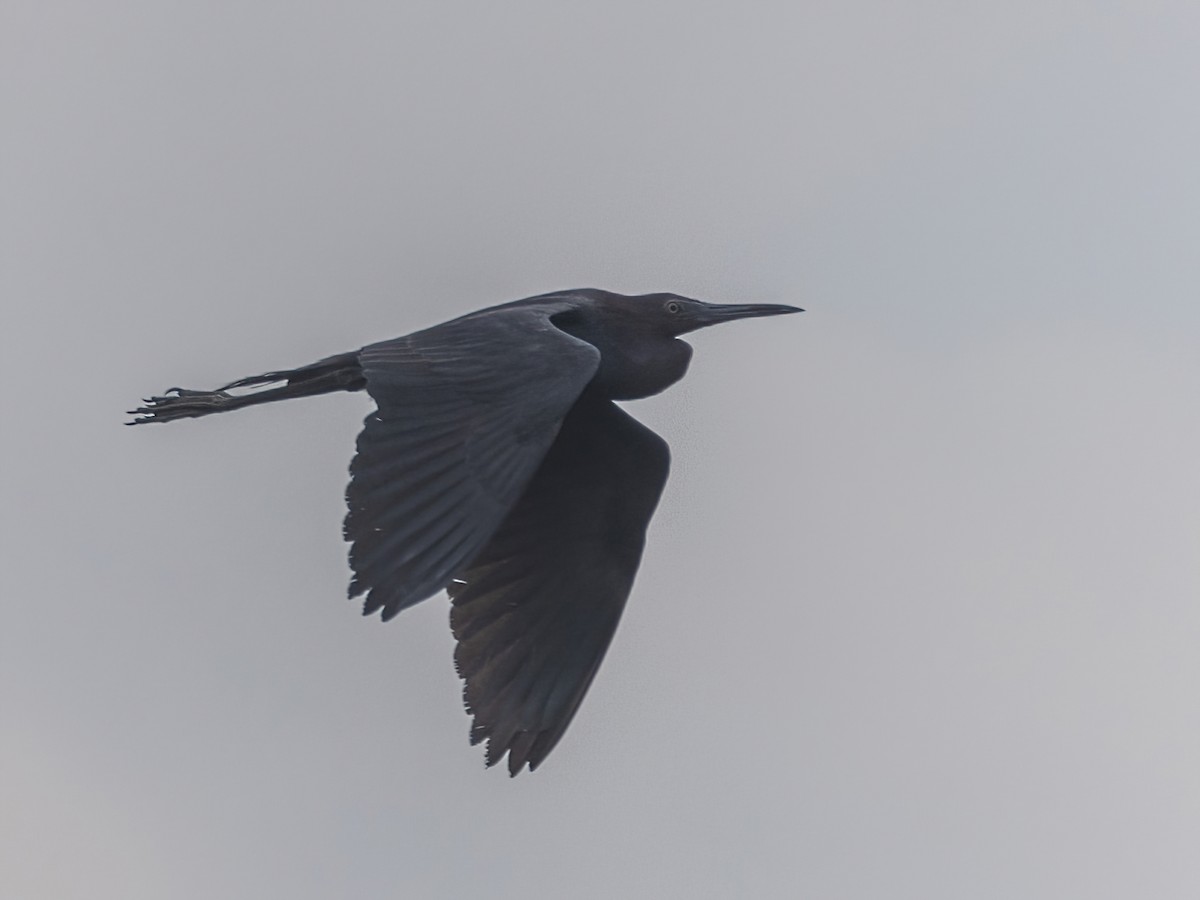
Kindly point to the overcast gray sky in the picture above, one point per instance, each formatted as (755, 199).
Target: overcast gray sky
(920, 613)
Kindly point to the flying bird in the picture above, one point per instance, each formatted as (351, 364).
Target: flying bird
(497, 466)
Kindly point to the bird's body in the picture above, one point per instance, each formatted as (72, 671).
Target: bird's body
(498, 467)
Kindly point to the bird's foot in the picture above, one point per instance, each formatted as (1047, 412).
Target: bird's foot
(179, 403)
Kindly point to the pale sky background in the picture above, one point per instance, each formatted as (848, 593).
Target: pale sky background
(920, 614)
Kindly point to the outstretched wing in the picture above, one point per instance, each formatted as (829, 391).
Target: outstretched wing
(466, 412)
(537, 608)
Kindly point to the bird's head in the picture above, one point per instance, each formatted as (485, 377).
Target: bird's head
(637, 337)
(676, 315)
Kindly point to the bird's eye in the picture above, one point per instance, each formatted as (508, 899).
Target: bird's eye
(674, 307)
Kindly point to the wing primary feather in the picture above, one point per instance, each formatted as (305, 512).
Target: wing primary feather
(377, 471)
(433, 577)
(405, 585)
(388, 537)
(535, 611)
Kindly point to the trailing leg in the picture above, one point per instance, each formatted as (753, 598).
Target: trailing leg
(337, 373)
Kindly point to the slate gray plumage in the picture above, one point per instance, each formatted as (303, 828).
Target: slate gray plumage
(497, 466)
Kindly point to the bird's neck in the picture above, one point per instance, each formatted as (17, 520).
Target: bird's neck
(632, 369)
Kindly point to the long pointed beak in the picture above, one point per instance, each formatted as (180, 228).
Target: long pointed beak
(714, 313)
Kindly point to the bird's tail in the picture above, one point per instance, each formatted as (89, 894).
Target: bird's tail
(337, 373)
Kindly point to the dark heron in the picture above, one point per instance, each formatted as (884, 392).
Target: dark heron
(498, 467)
